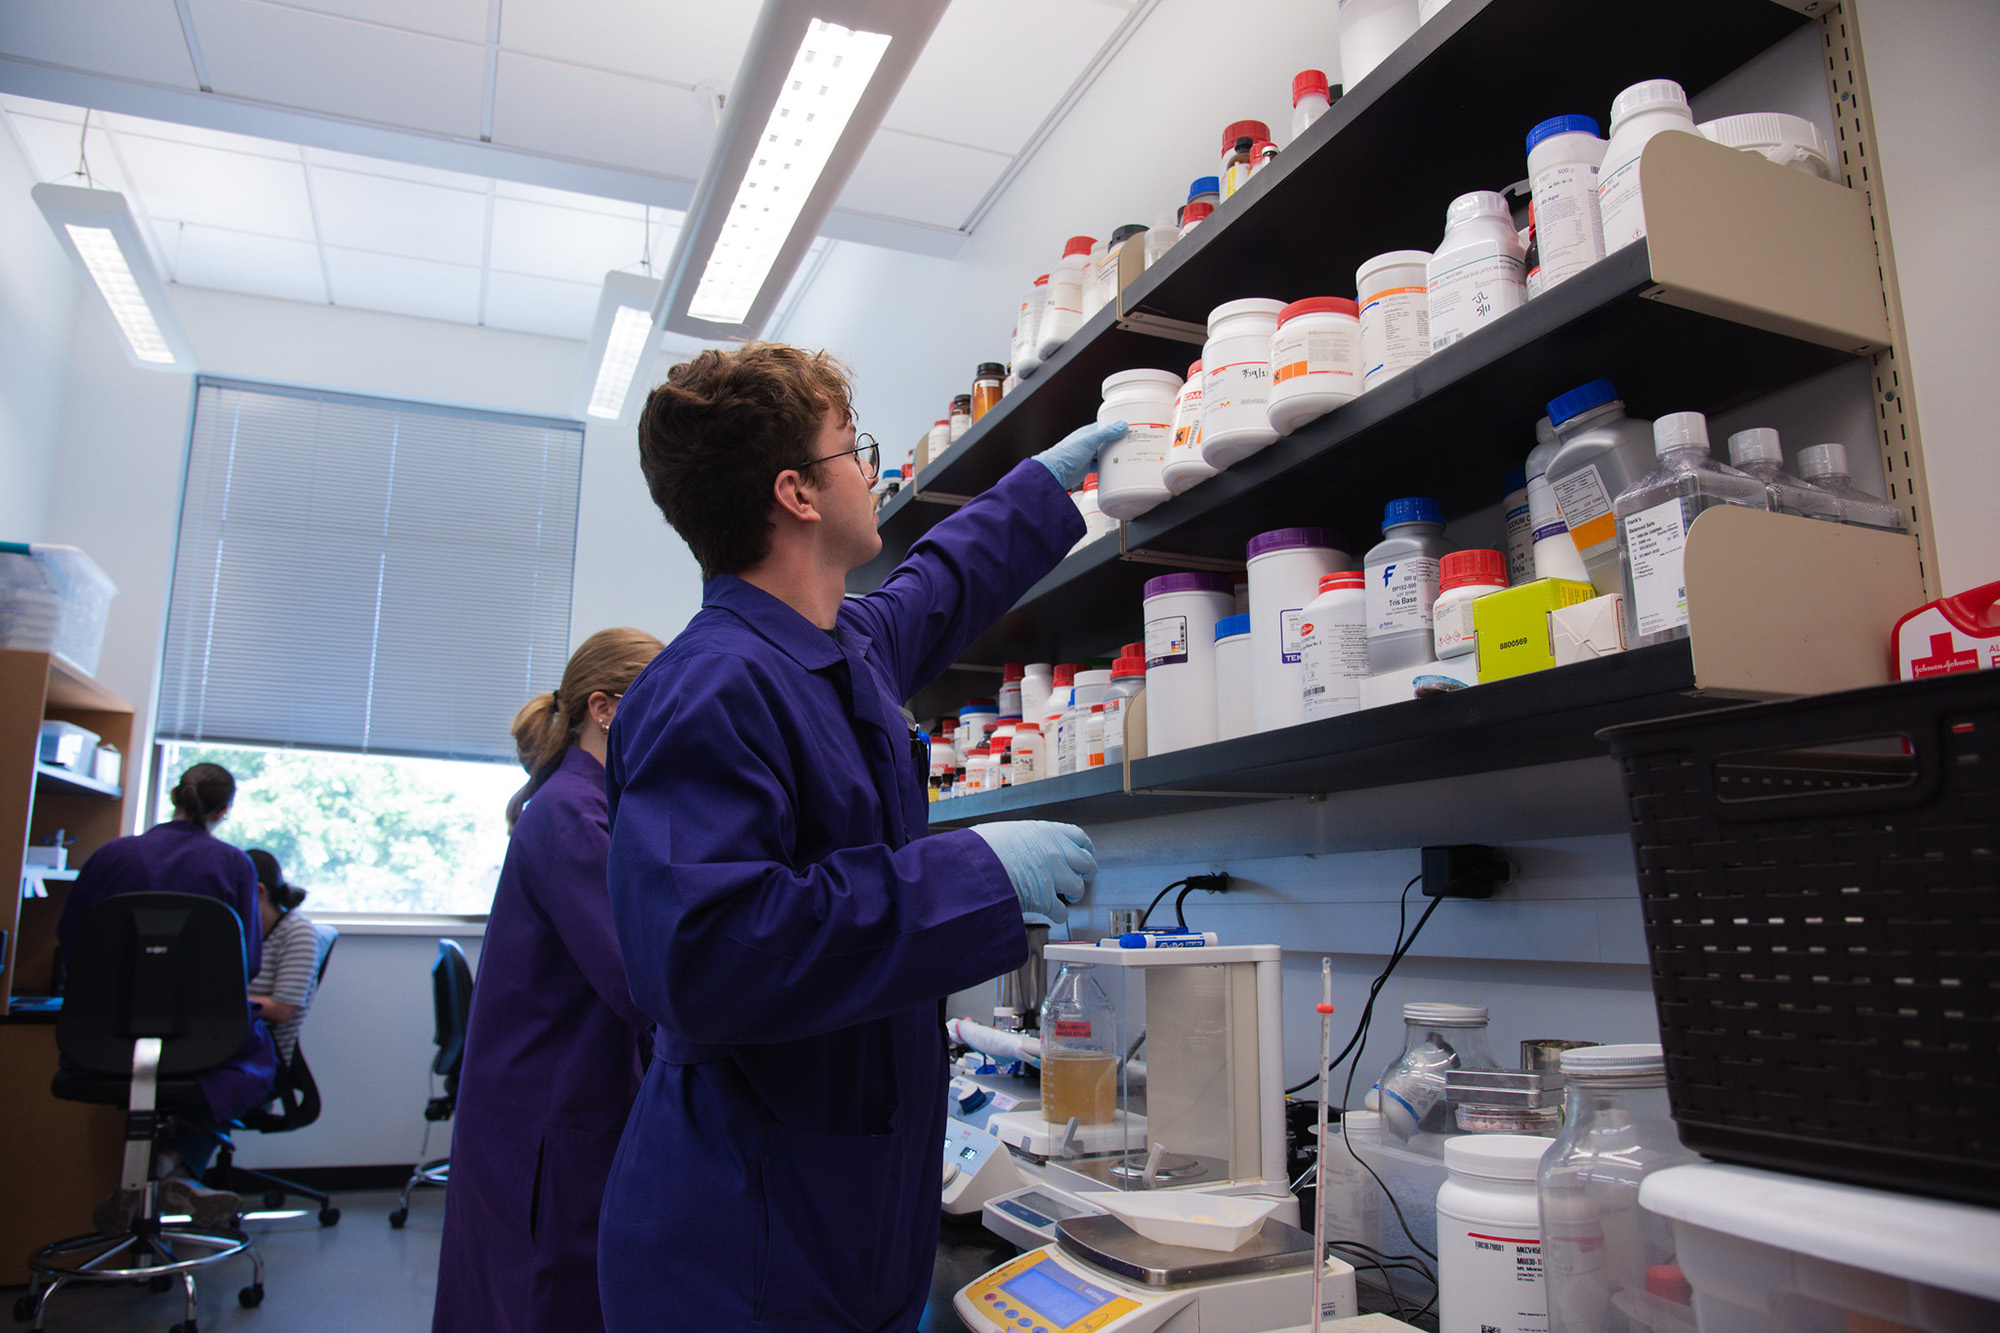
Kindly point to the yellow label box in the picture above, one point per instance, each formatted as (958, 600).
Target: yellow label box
(1513, 626)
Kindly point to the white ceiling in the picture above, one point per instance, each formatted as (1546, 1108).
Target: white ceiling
(609, 94)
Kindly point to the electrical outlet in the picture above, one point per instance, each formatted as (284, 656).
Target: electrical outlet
(1465, 870)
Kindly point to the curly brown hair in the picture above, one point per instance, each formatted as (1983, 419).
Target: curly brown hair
(718, 432)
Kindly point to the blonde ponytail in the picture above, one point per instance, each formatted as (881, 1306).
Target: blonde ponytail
(548, 724)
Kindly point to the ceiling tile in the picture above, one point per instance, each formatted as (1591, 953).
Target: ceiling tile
(133, 39)
(590, 116)
(51, 150)
(920, 180)
(363, 212)
(568, 243)
(589, 203)
(233, 261)
(230, 190)
(196, 136)
(990, 75)
(541, 305)
(462, 19)
(674, 41)
(403, 171)
(292, 58)
(364, 281)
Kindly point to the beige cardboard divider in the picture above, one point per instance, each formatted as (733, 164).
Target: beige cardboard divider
(1779, 605)
(1733, 235)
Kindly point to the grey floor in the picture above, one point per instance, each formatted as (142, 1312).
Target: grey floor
(359, 1275)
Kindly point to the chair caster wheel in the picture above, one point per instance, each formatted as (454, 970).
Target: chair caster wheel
(329, 1215)
(274, 1198)
(251, 1297)
(398, 1217)
(158, 1284)
(24, 1308)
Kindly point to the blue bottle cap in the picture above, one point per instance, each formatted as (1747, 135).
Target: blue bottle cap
(1555, 125)
(1517, 480)
(1229, 625)
(1204, 185)
(1580, 400)
(1412, 509)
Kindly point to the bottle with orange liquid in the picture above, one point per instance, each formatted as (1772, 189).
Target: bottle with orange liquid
(1080, 1035)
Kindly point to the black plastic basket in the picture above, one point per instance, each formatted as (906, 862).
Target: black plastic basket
(1821, 883)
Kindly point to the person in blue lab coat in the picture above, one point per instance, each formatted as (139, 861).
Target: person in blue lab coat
(183, 855)
(784, 918)
(555, 1047)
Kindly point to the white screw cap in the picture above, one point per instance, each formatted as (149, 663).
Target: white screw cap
(1756, 445)
(1651, 95)
(1680, 430)
(1823, 460)
(1478, 204)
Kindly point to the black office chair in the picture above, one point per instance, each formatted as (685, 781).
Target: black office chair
(154, 997)
(451, 1005)
(294, 1104)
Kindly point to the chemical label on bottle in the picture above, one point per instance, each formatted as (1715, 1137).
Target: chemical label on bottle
(1144, 444)
(1476, 292)
(1166, 641)
(1400, 595)
(1024, 766)
(1240, 384)
(1495, 1277)
(1621, 213)
(1290, 637)
(1451, 625)
(1520, 545)
(1655, 545)
(1543, 512)
(1076, 1029)
(1585, 509)
(1328, 352)
(1065, 296)
(1568, 235)
(1395, 331)
(1334, 662)
(1114, 727)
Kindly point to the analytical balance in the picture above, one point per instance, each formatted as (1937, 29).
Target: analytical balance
(1101, 1276)
(1209, 1111)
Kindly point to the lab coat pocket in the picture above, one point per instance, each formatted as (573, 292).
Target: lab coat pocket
(570, 1172)
(836, 1218)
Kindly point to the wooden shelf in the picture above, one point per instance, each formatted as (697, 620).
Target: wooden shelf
(1545, 718)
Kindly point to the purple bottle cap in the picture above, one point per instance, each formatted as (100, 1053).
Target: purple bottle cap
(1286, 539)
(1167, 583)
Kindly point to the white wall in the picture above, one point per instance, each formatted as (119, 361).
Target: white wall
(1931, 68)
(38, 296)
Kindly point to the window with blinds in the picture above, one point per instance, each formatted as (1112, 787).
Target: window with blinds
(360, 574)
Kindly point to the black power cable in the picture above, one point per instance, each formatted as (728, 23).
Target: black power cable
(1402, 946)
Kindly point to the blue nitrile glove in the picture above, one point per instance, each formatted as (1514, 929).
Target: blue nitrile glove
(1046, 861)
(1071, 459)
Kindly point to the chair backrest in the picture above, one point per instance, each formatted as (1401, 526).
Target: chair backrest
(167, 965)
(451, 1000)
(295, 1092)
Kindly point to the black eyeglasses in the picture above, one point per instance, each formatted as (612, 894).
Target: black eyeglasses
(867, 453)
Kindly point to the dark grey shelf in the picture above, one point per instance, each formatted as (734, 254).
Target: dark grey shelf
(1545, 718)
(1374, 174)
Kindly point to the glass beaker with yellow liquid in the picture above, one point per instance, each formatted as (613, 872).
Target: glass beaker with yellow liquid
(1080, 1036)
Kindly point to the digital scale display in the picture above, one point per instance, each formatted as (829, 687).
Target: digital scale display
(1038, 1209)
(1056, 1295)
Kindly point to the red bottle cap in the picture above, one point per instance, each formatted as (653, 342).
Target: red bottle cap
(1667, 1282)
(1066, 674)
(1345, 578)
(1316, 305)
(1460, 568)
(1194, 370)
(1128, 666)
(1252, 130)
(1078, 245)
(1196, 211)
(1090, 482)
(1308, 81)
(1012, 671)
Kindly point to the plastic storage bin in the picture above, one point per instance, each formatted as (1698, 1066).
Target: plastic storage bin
(1818, 881)
(53, 599)
(1764, 1253)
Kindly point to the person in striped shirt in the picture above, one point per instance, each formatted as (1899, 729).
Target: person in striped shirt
(283, 988)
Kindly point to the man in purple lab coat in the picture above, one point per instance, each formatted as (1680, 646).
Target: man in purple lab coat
(784, 918)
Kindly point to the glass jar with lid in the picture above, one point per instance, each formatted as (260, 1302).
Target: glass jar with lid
(1600, 1248)
(1080, 1036)
(986, 382)
(1437, 1038)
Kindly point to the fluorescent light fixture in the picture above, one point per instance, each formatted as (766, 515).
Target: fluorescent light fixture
(620, 338)
(815, 83)
(101, 236)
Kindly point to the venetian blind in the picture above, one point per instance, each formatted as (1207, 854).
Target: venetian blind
(364, 574)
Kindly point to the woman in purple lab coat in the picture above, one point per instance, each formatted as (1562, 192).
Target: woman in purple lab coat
(555, 1048)
(184, 856)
